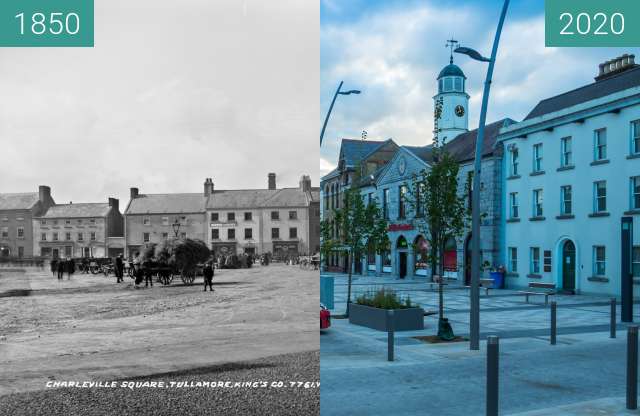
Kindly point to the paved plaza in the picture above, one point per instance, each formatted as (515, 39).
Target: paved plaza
(91, 328)
(584, 371)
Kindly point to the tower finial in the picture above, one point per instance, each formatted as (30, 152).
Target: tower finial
(452, 43)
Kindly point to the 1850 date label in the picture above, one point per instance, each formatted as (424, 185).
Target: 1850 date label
(47, 23)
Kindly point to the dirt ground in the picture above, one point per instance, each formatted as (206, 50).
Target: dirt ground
(92, 328)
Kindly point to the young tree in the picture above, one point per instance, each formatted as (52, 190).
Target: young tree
(354, 228)
(441, 212)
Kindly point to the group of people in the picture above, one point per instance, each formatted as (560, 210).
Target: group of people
(62, 266)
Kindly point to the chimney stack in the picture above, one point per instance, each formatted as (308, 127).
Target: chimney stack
(272, 181)
(114, 203)
(305, 183)
(208, 187)
(44, 193)
(615, 66)
(133, 193)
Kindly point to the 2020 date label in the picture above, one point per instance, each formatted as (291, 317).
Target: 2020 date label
(47, 23)
(592, 23)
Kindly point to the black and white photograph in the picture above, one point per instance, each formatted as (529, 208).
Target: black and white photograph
(159, 212)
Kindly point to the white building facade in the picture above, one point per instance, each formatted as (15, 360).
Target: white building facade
(571, 172)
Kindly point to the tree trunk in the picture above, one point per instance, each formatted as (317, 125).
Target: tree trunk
(441, 269)
(349, 261)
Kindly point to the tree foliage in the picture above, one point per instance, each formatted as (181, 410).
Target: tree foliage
(443, 214)
(354, 228)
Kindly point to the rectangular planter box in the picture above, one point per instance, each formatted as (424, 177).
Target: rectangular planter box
(411, 319)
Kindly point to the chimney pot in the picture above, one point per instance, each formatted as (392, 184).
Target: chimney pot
(133, 193)
(44, 193)
(272, 181)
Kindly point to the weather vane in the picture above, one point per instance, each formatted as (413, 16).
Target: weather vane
(452, 43)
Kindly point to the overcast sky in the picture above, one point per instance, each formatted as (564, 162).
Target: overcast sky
(173, 92)
(393, 50)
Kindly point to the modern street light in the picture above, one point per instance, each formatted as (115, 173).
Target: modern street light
(474, 319)
(176, 227)
(338, 92)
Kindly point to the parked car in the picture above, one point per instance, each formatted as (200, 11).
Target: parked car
(325, 317)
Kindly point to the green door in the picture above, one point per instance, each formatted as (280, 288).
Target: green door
(569, 266)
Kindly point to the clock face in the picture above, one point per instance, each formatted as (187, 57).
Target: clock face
(459, 110)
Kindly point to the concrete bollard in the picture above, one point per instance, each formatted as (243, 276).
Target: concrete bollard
(552, 338)
(632, 367)
(612, 333)
(390, 335)
(493, 366)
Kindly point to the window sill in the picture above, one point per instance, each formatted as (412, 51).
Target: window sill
(565, 217)
(513, 177)
(599, 162)
(512, 274)
(634, 156)
(599, 214)
(534, 276)
(537, 173)
(600, 279)
(632, 212)
(513, 220)
(563, 168)
(537, 218)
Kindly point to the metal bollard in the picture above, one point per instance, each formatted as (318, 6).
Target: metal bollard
(552, 338)
(632, 367)
(390, 335)
(493, 350)
(612, 333)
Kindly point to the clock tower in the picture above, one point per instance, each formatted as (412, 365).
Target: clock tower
(455, 101)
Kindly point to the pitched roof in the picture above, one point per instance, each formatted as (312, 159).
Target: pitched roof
(18, 200)
(247, 198)
(353, 151)
(422, 152)
(619, 82)
(167, 204)
(315, 194)
(81, 210)
(463, 146)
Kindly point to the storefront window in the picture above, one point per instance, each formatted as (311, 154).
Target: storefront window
(422, 253)
(386, 261)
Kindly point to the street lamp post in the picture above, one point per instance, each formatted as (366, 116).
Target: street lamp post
(338, 92)
(176, 227)
(474, 319)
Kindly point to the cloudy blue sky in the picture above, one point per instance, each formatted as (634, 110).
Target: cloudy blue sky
(393, 50)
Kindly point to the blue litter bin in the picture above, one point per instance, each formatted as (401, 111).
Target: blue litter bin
(327, 291)
(498, 280)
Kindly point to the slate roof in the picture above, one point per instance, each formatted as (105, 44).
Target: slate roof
(422, 152)
(181, 203)
(18, 200)
(247, 198)
(353, 151)
(88, 210)
(463, 146)
(315, 194)
(615, 83)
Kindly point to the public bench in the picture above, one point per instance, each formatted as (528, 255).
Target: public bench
(539, 288)
(486, 284)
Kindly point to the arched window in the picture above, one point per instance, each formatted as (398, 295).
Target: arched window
(421, 247)
(326, 197)
(450, 255)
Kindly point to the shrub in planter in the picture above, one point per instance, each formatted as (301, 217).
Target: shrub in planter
(370, 310)
(384, 299)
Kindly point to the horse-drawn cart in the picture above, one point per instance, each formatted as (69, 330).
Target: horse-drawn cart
(165, 273)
